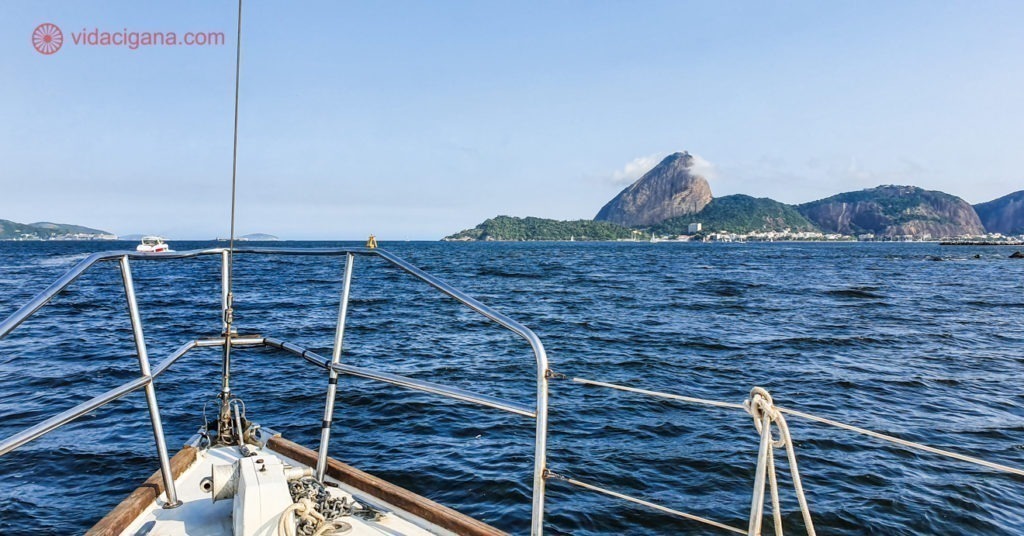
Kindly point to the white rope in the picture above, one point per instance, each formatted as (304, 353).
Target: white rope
(305, 508)
(333, 527)
(762, 409)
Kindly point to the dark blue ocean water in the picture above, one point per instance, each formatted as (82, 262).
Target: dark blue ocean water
(879, 335)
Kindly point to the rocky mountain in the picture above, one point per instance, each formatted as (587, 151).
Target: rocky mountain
(1004, 215)
(894, 211)
(740, 214)
(10, 230)
(511, 228)
(668, 191)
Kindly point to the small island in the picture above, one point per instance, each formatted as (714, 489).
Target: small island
(259, 237)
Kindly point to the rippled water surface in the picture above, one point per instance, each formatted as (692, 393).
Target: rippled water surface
(916, 340)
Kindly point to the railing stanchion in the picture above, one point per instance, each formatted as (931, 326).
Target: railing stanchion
(332, 382)
(541, 441)
(154, 410)
(334, 366)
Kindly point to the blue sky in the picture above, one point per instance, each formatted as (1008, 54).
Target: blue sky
(413, 120)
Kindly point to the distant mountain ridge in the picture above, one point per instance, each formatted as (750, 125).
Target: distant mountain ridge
(1004, 215)
(669, 190)
(10, 230)
(671, 196)
(892, 211)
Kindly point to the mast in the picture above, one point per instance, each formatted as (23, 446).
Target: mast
(224, 428)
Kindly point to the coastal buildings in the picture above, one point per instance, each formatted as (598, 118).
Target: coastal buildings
(69, 236)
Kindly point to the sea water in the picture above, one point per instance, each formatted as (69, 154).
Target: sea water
(916, 340)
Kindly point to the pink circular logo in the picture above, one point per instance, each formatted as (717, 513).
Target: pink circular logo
(47, 38)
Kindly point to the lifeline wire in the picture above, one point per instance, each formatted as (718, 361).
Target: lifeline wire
(642, 502)
(905, 443)
(822, 420)
(760, 406)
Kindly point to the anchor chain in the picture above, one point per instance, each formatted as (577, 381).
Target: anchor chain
(318, 512)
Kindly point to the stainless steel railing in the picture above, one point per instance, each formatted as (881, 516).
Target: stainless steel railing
(334, 366)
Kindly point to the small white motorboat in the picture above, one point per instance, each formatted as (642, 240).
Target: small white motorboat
(152, 244)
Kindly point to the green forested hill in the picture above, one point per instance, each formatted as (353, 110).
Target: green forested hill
(740, 214)
(512, 228)
(734, 213)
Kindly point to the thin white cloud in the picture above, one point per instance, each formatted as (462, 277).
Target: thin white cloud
(642, 164)
(703, 168)
(635, 169)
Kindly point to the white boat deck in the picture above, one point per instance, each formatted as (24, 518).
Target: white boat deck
(200, 516)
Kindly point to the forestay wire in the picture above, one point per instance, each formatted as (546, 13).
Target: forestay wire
(234, 152)
(224, 428)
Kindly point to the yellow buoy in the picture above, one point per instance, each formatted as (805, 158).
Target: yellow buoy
(371, 242)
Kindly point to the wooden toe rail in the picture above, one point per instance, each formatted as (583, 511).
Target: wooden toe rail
(136, 503)
(399, 497)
